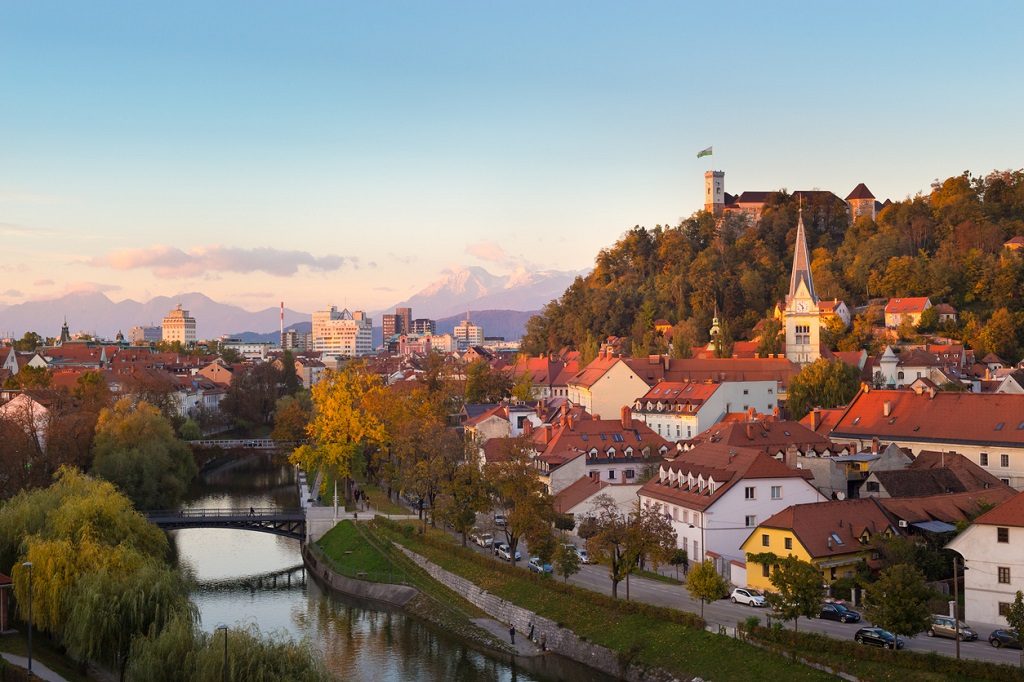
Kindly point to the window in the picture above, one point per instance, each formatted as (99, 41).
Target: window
(630, 473)
(686, 516)
(984, 459)
(1004, 461)
(765, 540)
(748, 493)
(765, 570)
(776, 492)
(746, 391)
(871, 486)
(803, 334)
(1004, 575)
(1005, 481)
(751, 521)
(788, 543)
(611, 474)
(696, 554)
(1004, 609)
(1002, 534)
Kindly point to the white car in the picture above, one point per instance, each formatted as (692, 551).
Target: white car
(502, 551)
(481, 538)
(581, 552)
(742, 595)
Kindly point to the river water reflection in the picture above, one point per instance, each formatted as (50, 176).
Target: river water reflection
(358, 641)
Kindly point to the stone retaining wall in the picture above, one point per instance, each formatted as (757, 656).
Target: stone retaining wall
(397, 595)
(557, 639)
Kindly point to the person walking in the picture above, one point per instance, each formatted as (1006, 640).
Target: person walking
(530, 636)
(512, 633)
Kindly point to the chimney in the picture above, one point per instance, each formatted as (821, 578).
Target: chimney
(527, 427)
(775, 411)
(668, 362)
(751, 414)
(750, 430)
(570, 421)
(789, 458)
(815, 419)
(874, 445)
(627, 417)
(931, 393)
(547, 433)
(887, 408)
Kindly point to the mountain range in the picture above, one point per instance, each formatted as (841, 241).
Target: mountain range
(501, 304)
(474, 288)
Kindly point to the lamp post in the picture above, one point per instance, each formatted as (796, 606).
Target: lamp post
(956, 605)
(28, 565)
(224, 665)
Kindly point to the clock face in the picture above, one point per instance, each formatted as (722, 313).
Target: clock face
(801, 306)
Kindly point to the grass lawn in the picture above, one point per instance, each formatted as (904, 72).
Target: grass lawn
(350, 554)
(639, 636)
(42, 650)
(379, 500)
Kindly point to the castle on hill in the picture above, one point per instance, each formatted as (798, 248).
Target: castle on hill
(718, 202)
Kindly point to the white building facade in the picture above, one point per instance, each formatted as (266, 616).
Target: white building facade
(179, 326)
(344, 333)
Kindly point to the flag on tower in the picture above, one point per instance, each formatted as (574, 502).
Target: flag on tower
(704, 152)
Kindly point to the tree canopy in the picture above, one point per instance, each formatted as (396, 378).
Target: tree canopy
(823, 383)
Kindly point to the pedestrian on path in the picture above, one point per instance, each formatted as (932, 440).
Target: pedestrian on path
(530, 636)
(512, 633)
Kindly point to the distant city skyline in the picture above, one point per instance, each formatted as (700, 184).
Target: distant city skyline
(323, 153)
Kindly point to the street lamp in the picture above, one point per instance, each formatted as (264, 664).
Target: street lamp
(224, 665)
(956, 605)
(28, 565)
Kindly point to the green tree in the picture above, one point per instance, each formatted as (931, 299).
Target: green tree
(519, 494)
(289, 377)
(189, 430)
(28, 342)
(898, 601)
(463, 496)
(522, 389)
(136, 449)
(929, 320)
(29, 377)
(1015, 619)
(999, 336)
(703, 582)
(823, 383)
(623, 539)
(484, 384)
(291, 416)
(253, 394)
(773, 338)
(680, 558)
(798, 589)
(567, 561)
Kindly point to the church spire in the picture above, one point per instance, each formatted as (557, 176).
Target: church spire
(801, 263)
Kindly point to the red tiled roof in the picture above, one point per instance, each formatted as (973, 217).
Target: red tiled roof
(574, 438)
(1009, 513)
(970, 475)
(1015, 240)
(831, 528)
(578, 492)
(764, 436)
(680, 392)
(826, 419)
(721, 463)
(946, 417)
(944, 309)
(946, 507)
(906, 305)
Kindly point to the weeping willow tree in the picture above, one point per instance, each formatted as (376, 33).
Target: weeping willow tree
(180, 651)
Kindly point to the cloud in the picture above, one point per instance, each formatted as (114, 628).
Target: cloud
(256, 294)
(13, 293)
(488, 251)
(42, 283)
(90, 287)
(172, 262)
(383, 289)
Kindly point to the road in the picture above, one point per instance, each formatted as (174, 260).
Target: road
(724, 612)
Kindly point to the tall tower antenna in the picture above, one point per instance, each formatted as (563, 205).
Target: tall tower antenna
(282, 321)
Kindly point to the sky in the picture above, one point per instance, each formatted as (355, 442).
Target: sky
(350, 153)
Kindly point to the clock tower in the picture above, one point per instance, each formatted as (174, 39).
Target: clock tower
(802, 317)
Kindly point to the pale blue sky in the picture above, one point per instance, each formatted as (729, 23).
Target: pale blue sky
(368, 146)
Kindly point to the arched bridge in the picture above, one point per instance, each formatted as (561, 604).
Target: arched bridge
(245, 443)
(291, 523)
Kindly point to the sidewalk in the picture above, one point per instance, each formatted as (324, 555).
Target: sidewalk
(38, 669)
(524, 647)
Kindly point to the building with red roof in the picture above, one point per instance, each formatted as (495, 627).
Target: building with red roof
(715, 494)
(899, 309)
(679, 410)
(993, 552)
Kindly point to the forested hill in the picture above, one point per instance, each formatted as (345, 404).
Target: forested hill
(947, 245)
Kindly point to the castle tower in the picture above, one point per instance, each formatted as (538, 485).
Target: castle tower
(861, 202)
(65, 333)
(802, 316)
(714, 192)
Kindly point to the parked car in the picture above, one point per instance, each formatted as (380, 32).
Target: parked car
(481, 538)
(500, 520)
(945, 626)
(1007, 638)
(742, 595)
(836, 611)
(503, 552)
(536, 566)
(581, 552)
(878, 637)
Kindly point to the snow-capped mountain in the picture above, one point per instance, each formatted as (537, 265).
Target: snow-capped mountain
(475, 288)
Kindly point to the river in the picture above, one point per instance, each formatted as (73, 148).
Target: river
(358, 641)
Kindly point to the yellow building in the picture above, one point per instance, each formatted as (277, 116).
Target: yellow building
(834, 536)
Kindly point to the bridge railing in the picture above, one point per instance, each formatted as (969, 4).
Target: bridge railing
(251, 443)
(248, 512)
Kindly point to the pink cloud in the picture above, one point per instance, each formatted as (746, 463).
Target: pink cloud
(172, 262)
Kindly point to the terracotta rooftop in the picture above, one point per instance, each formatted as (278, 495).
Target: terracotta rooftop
(832, 528)
(765, 436)
(826, 419)
(946, 417)
(948, 508)
(861, 191)
(1009, 513)
(578, 492)
(970, 475)
(907, 305)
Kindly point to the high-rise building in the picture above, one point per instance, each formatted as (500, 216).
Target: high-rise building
(390, 324)
(424, 326)
(342, 333)
(143, 335)
(179, 326)
(406, 315)
(295, 340)
(468, 334)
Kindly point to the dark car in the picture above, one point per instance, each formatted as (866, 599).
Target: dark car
(838, 612)
(878, 637)
(1007, 638)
